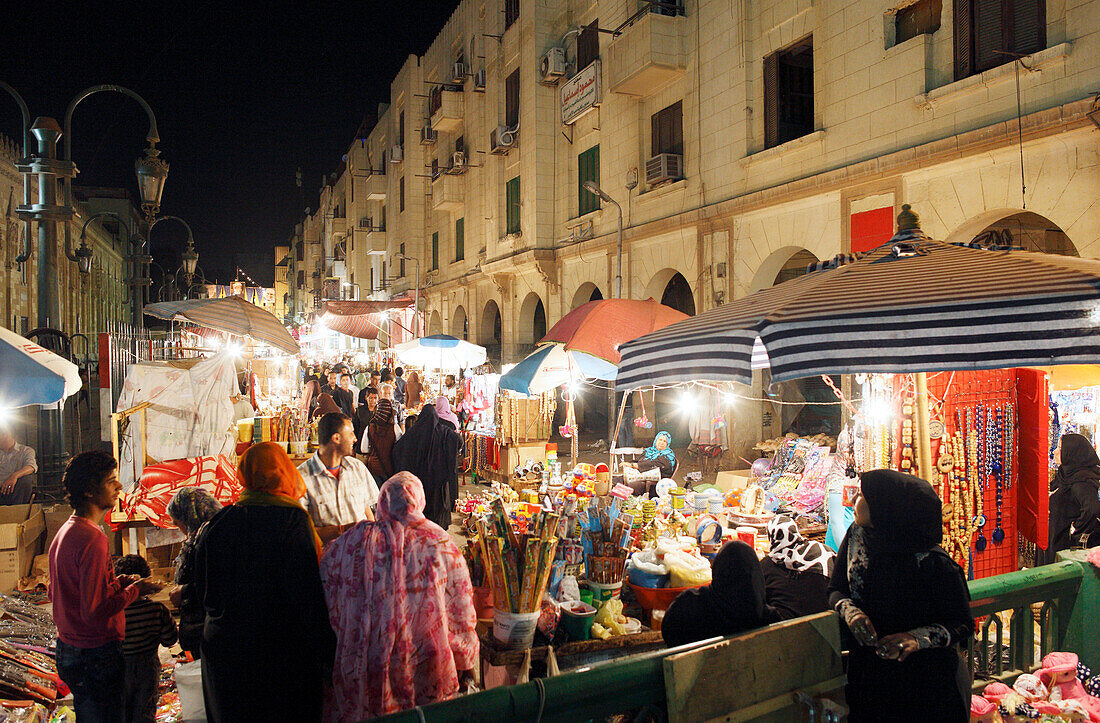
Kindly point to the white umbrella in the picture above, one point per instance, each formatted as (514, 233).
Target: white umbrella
(439, 352)
(30, 374)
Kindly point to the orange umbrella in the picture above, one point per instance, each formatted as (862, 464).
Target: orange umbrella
(599, 327)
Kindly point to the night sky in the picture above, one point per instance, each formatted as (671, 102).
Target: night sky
(244, 94)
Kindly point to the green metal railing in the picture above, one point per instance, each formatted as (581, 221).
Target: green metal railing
(1067, 593)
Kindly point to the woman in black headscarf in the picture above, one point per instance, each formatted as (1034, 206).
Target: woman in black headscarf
(732, 603)
(1075, 496)
(429, 449)
(190, 509)
(905, 603)
(796, 571)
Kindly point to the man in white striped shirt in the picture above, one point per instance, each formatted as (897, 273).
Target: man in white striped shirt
(340, 492)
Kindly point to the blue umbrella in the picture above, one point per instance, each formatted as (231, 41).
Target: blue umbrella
(551, 366)
(30, 374)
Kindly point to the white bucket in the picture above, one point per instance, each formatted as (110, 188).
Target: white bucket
(602, 593)
(189, 685)
(514, 630)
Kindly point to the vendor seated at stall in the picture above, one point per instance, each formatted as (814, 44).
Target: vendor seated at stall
(796, 571)
(658, 460)
(340, 492)
(733, 603)
(17, 468)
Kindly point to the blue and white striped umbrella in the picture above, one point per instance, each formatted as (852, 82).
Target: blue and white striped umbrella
(30, 374)
(551, 365)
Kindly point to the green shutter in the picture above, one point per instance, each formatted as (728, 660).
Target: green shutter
(460, 239)
(511, 201)
(588, 169)
(435, 250)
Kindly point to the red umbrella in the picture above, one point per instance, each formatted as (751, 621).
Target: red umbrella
(599, 327)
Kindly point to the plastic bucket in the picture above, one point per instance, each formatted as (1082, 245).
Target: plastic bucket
(602, 593)
(576, 618)
(645, 579)
(299, 447)
(514, 630)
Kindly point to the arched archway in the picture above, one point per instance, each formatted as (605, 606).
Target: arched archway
(532, 322)
(489, 331)
(677, 295)
(785, 264)
(460, 326)
(586, 292)
(1031, 232)
(435, 323)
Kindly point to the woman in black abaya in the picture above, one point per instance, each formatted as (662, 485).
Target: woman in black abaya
(732, 603)
(1075, 496)
(429, 449)
(905, 603)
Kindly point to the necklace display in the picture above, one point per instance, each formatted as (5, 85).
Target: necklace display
(982, 429)
(908, 461)
(998, 468)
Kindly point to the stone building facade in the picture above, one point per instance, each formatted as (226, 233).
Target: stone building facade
(741, 140)
(89, 304)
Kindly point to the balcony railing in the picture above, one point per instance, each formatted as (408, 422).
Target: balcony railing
(648, 51)
(669, 9)
(1066, 595)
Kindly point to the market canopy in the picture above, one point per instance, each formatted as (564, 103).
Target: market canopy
(358, 318)
(550, 366)
(31, 374)
(911, 305)
(230, 314)
(440, 351)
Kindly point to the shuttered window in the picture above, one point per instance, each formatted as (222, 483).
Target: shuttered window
(401, 261)
(511, 203)
(511, 12)
(511, 99)
(401, 194)
(435, 251)
(789, 94)
(667, 130)
(989, 33)
(588, 169)
(460, 239)
(588, 45)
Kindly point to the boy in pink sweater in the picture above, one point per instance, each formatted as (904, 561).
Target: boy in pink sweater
(88, 599)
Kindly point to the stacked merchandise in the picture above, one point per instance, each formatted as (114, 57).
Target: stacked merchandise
(1064, 690)
(519, 564)
(479, 398)
(1073, 411)
(29, 683)
(480, 454)
(796, 477)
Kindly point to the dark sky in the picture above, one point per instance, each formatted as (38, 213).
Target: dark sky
(244, 95)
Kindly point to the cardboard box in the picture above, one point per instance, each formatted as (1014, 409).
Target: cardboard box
(56, 516)
(22, 532)
(727, 481)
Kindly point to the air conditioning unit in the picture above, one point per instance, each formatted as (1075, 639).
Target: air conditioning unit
(397, 154)
(428, 135)
(458, 162)
(502, 139)
(459, 73)
(553, 67)
(479, 81)
(664, 168)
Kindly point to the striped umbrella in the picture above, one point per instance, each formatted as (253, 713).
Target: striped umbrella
(360, 319)
(912, 305)
(552, 365)
(231, 314)
(31, 374)
(440, 351)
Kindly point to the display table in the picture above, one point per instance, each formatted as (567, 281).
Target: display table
(499, 665)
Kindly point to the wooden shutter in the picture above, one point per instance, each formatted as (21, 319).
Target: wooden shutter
(655, 134)
(989, 34)
(460, 239)
(435, 250)
(511, 99)
(771, 100)
(1029, 26)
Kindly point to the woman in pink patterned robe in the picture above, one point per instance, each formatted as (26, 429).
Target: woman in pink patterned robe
(401, 605)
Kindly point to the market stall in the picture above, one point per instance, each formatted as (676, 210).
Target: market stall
(971, 316)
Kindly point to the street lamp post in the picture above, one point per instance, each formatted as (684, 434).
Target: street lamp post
(593, 188)
(49, 210)
(416, 292)
(190, 256)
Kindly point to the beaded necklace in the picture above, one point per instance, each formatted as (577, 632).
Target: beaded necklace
(999, 472)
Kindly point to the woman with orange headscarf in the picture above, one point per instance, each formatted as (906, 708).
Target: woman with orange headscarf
(267, 645)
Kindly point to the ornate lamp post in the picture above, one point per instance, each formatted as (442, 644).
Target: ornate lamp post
(47, 211)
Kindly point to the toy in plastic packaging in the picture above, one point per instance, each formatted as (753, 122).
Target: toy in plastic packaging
(549, 614)
(23, 711)
(570, 589)
(64, 714)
